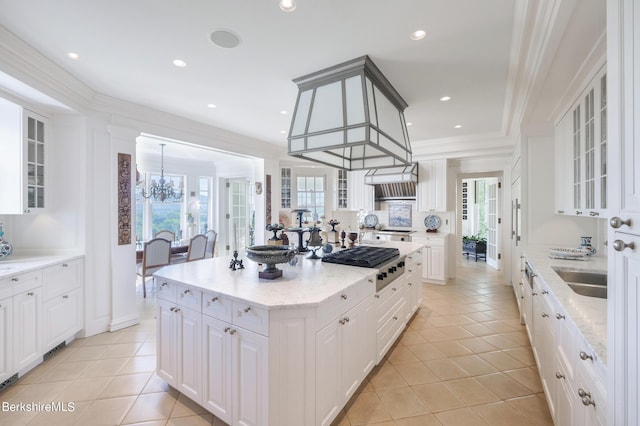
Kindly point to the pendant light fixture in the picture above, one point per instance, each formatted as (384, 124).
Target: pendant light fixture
(349, 116)
(162, 190)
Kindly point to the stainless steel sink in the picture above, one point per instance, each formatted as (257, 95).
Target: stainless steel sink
(585, 283)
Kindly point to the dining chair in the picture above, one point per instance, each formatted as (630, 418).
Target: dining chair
(196, 251)
(156, 254)
(166, 234)
(211, 242)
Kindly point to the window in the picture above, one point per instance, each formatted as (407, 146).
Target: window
(310, 194)
(154, 215)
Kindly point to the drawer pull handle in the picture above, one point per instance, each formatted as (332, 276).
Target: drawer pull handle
(172, 309)
(545, 315)
(232, 332)
(164, 285)
(582, 393)
(341, 321)
(177, 310)
(377, 296)
(559, 316)
(616, 222)
(370, 280)
(394, 289)
(226, 329)
(215, 299)
(186, 291)
(559, 375)
(66, 296)
(545, 291)
(619, 245)
(65, 265)
(395, 318)
(588, 401)
(410, 283)
(584, 356)
(247, 309)
(344, 296)
(30, 293)
(534, 294)
(15, 279)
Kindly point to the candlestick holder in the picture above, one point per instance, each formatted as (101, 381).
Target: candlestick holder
(235, 262)
(343, 236)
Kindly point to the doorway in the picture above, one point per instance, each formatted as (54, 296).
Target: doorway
(479, 214)
(239, 210)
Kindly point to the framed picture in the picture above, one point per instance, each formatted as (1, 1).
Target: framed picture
(400, 215)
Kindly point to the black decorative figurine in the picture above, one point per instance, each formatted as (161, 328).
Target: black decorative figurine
(343, 235)
(235, 263)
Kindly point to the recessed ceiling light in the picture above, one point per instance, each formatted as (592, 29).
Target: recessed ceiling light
(283, 112)
(409, 124)
(445, 98)
(211, 106)
(179, 63)
(283, 131)
(418, 35)
(73, 55)
(224, 38)
(288, 5)
(457, 126)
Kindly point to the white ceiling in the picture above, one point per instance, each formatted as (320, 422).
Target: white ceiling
(126, 51)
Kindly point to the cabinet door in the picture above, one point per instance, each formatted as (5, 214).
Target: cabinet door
(61, 318)
(28, 319)
(61, 279)
(328, 367)
(167, 331)
(432, 185)
(358, 347)
(189, 353)
(566, 403)
(6, 339)
(250, 362)
(435, 265)
(36, 140)
(563, 178)
(216, 368)
(361, 196)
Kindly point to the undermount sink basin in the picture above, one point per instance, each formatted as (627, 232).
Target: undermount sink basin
(592, 284)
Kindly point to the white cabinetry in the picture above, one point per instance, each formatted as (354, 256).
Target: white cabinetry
(23, 143)
(361, 196)
(345, 355)
(235, 363)
(27, 321)
(581, 149)
(432, 185)
(62, 302)
(413, 273)
(6, 338)
(179, 330)
(434, 258)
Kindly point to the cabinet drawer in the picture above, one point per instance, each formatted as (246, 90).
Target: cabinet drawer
(251, 317)
(61, 278)
(341, 302)
(386, 301)
(413, 258)
(6, 288)
(390, 330)
(217, 306)
(24, 282)
(167, 290)
(189, 297)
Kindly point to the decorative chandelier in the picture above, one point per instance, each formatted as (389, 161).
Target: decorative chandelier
(162, 190)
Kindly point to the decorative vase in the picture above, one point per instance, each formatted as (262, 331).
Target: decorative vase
(5, 248)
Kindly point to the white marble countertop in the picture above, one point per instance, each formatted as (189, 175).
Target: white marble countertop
(19, 263)
(306, 284)
(588, 313)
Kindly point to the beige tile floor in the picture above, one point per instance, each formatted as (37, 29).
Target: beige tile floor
(463, 360)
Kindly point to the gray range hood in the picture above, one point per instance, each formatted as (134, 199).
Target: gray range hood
(394, 183)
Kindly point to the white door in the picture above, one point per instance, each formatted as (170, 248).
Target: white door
(28, 326)
(250, 363)
(166, 361)
(238, 214)
(189, 351)
(492, 225)
(217, 368)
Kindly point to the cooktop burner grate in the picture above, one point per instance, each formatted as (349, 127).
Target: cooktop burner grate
(363, 256)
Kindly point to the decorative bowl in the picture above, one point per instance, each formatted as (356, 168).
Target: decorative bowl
(270, 256)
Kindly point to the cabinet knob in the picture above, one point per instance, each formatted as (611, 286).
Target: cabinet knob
(395, 318)
(578, 212)
(370, 280)
(377, 296)
(215, 299)
(410, 283)
(65, 265)
(344, 296)
(226, 329)
(66, 296)
(27, 211)
(177, 310)
(592, 213)
(616, 222)
(534, 294)
(30, 293)
(232, 332)
(619, 245)
(584, 356)
(341, 321)
(559, 316)
(560, 211)
(588, 401)
(394, 289)
(545, 315)
(15, 279)
(559, 375)
(247, 309)
(163, 285)
(582, 393)
(172, 309)
(186, 291)
(545, 291)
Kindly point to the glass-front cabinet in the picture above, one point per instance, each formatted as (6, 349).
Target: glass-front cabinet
(23, 143)
(581, 153)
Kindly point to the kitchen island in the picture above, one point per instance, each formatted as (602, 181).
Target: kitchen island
(290, 351)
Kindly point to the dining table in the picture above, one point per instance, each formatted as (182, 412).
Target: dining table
(177, 247)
